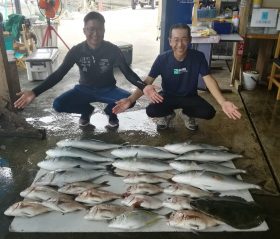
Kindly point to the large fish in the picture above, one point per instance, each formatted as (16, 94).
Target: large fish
(79, 187)
(92, 144)
(141, 152)
(181, 148)
(62, 177)
(213, 181)
(234, 211)
(177, 203)
(77, 153)
(192, 220)
(64, 206)
(185, 166)
(134, 220)
(42, 193)
(26, 209)
(68, 162)
(185, 190)
(96, 196)
(206, 155)
(144, 201)
(106, 211)
(141, 165)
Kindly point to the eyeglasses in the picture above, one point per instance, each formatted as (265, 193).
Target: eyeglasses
(183, 40)
(94, 30)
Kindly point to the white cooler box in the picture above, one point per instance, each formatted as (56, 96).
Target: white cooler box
(41, 63)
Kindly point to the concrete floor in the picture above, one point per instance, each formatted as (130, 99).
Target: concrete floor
(256, 135)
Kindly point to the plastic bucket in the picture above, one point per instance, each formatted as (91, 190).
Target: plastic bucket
(250, 79)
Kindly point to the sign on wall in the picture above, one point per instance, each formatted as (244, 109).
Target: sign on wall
(264, 17)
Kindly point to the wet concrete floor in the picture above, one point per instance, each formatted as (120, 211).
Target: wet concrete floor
(255, 135)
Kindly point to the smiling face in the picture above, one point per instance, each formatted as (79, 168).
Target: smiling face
(179, 41)
(94, 31)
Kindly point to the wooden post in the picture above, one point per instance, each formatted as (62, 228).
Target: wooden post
(9, 81)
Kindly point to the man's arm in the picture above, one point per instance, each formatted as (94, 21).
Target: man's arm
(149, 90)
(228, 107)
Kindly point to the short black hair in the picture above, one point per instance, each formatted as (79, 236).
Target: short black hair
(180, 26)
(94, 16)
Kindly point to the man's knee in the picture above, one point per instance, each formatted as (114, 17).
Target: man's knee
(150, 111)
(58, 106)
(210, 114)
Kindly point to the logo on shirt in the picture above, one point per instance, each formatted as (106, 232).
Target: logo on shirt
(104, 65)
(180, 71)
(85, 63)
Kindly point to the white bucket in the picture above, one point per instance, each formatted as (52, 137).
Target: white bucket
(250, 79)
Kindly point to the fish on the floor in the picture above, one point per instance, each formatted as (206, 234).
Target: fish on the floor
(64, 206)
(141, 165)
(143, 178)
(192, 220)
(62, 177)
(185, 166)
(143, 188)
(177, 203)
(143, 201)
(142, 151)
(234, 211)
(68, 162)
(95, 196)
(206, 155)
(106, 211)
(213, 181)
(91, 144)
(181, 148)
(26, 208)
(134, 220)
(177, 189)
(76, 188)
(77, 153)
(42, 193)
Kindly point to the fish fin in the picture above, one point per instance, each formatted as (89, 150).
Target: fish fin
(111, 169)
(105, 184)
(194, 232)
(125, 144)
(137, 204)
(126, 194)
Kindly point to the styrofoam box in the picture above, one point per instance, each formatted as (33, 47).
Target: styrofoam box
(41, 63)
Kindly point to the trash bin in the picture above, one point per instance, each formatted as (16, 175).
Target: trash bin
(250, 79)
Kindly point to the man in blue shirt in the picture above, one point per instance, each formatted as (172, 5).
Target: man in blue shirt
(179, 69)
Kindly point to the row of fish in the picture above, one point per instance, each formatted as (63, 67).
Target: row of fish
(195, 170)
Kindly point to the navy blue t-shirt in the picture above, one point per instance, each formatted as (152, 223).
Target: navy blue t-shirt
(180, 78)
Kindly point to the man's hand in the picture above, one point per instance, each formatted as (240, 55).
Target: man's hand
(151, 93)
(122, 105)
(26, 97)
(231, 110)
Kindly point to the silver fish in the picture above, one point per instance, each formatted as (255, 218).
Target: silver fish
(177, 203)
(26, 209)
(60, 178)
(76, 188)
(185, 190)
(106, 211)
(185, 166)
(43, 193)
(125, 173)
(141, 152)
(134, 220)
(144, 201)
(92, 144)
(181, 148)
(94, 196)
(206, 155)
(143, 188)
(66, 163)
(139, 164)
(143, 178)
(77, 153)
(61, 205)
(192, 220)
(212, 181)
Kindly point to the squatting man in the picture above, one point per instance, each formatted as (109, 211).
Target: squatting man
(96, 59)
(179, 69)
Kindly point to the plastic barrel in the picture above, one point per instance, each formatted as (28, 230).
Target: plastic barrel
(250, 79)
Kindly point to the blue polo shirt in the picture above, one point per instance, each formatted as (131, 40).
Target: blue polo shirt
(180, 78)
